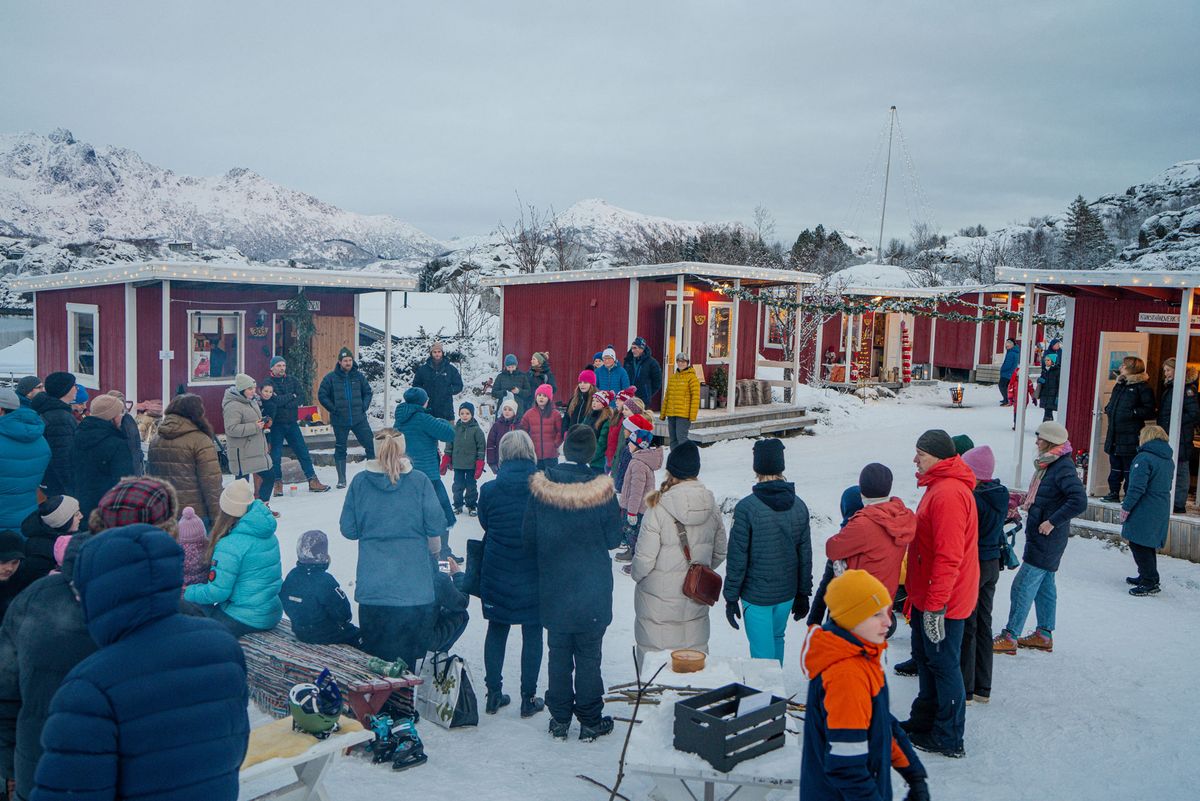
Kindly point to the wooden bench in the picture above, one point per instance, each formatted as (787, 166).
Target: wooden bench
(275, 748)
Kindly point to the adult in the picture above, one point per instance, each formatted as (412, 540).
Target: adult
(513, 383)
(1055, 350)
(285, 426)
(133, 435)
(509, 584)
(876, 536)
(769, 572)
(100, 452)
(1144, 516)
(571, 524)
(12, 553)
(392, 512)
(682, 526)
(643, 370)
(1047, 387)
(441, 381)
(54, 407)
(244, 437)
(540, 372)
(1129, 407)
(610, 375)
(1012, 359)
(681, 400)
(137, 499)
(24, 455)
(245, 572)
(53, 518)
(182, 452)
(943, 587)
(346, 395)
(991, 505)
(29, 388)
(43, 637)
(1055, 496)
(1187, 427)
(152, 663)
(580, 404)
(422, 433)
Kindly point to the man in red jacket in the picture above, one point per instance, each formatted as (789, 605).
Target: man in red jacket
(943, 586)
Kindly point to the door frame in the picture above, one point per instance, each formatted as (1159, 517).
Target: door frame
(1125, 343)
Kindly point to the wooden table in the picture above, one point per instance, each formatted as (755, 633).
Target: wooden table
(308, 764)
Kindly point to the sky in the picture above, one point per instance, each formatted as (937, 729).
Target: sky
(441, 113)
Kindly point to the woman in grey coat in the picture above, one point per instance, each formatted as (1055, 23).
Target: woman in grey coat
(249, 453)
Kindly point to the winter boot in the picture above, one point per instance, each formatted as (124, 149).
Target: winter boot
(472, 511)
(588, 733)
(925, 742)
(315, 485)
(1004, 644)
(624, 555)
(906, 668)
(495, 701)
(1133, 581)
(1144, 589)
(559, 731)
(272, 511)
(1037, 641)
(341, 473)
(1112, 497)
(458, 510)
(531, 706)
(278, 489)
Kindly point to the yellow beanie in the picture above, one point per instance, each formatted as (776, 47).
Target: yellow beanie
(854, 596)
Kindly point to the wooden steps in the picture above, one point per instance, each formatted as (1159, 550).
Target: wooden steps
(1102, 520)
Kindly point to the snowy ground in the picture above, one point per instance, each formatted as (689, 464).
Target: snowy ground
(1112, 713)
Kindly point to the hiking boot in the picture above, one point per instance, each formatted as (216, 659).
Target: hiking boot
(911, 727)
(906, 668)
(315, 485)
(559, 731)
(925, 742)
(1145, 589)
(624, 555)
(1004, 644)
(458, 510)
(274, 514)
(1133, 581)
(588, 733)
(531, 706)
(495, 701)
(278, 489)
(627, 570)
(1112, 497)
(1037, 641)
(982, 699)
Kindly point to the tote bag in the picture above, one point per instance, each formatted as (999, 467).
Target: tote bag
(447, 694)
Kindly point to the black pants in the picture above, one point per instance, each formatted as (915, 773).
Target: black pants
(1003, 387)
(531, 657)
(575, 685)
(362, 433)
(1118, 472)
(1183, 474)
(816, 613)
(396, 632)
(940, 705)
(1147, 563)
(266, 486)
(977, 634)
(465, 488)
(448, 626)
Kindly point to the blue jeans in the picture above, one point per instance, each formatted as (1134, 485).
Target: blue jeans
(1032, 586)
(295, 440)
(940, 707)
(362, 433)
(765, 627)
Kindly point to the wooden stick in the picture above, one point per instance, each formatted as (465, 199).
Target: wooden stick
(629, 732)
(612, 793)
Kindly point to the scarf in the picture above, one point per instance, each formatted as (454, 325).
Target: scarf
(1040, 463)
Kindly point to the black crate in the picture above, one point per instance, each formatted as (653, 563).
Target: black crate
(708, 725)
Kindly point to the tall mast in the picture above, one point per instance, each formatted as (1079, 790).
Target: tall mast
(886, 176)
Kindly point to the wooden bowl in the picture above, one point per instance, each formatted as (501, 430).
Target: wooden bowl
(687, 660)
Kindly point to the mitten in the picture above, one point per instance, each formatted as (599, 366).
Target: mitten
(935, 625)
(478, 468)
(918, 790)
(631, 520)
(800, 607)
(445, 464)
(732, 613)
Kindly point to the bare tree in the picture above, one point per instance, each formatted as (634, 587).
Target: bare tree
(564, 243)
(469, 304)
(764, 223)
(526, 237)
(786, 320)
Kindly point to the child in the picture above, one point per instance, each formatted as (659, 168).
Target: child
(632, 423)
(1012, 394)
(626, 405)
(54, 517)
(991, 500)
(876, 537)
(544, 425)
(267, 404)
(850, 734)
(313, 599)
(508, 420)
(644, 460)
(600, 419)
(466, 455)
(850, 504)
(194, 541)
(580, 404)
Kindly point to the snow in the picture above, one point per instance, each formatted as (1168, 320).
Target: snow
(1110, 714)
(874, 276)
(18, 358)
(411, 312)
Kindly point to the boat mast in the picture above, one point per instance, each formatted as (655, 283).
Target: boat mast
(886, 176)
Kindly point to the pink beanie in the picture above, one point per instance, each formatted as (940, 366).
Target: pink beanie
(60, 548)
(191, 527)
(588, 376)
(982, 462)
(545, 389)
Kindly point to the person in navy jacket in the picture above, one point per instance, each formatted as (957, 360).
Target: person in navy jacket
(313, 600)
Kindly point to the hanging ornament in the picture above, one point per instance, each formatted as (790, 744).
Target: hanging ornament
(905, 353)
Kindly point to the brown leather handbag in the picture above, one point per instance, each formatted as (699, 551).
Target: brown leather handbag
(702, 584)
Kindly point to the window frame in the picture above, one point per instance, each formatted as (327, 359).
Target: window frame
(89, 380)
(224, 381)
(708, 357)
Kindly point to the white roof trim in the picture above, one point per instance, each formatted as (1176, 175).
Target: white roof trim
(927, 292)
(1115, 278)
(246, 275)
(729, 271)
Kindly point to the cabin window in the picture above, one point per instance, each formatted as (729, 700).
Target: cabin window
(720, 331)
(778, 323)
(215, 342)
(83, 321)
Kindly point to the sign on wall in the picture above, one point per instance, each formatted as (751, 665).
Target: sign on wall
(1173, 319)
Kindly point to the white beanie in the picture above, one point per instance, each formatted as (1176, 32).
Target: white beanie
(608, 352)
(237, 497)
(509, 403)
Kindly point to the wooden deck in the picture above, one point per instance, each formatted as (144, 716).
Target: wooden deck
(715, 425)
(1102, 520)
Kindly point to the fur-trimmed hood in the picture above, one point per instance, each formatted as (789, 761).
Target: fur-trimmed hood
(573, 495)
(1136, 378)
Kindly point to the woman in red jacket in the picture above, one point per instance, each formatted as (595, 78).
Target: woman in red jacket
(543, 423)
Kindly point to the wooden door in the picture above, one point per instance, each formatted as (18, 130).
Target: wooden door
(333, 334)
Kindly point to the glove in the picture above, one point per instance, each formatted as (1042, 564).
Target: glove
(478, 468)
(445, 465)
(631, 520)
(918, 790)
(935, 625)
(732, 613)
(1124, 515)
(800, 607)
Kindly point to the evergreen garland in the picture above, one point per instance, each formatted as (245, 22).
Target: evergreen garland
(300, 361)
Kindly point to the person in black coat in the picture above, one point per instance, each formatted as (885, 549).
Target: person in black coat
(285, 426)
(1129, 407)
(133, 435)
(100, 453)
(513, 382)
(43, 637)
(1047, 388)
(1187, 428)
(451, 617)
(313, 600)
(54, 406)
(12, 554)
(441, 381)
(346, 395)
(509, 584)
(991, 502)
(572, 522)
(54, 517)
(644, 371)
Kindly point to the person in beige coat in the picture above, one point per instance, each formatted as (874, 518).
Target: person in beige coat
(665, 619)
(182, 452)
(249, 453)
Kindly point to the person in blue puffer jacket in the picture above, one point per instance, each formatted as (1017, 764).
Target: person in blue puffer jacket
(422, 433)
(246, 572)
(24, 454)
(158, 713)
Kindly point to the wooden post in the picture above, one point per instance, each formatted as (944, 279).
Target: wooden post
(978, 328)
(799, 317)
(818, 343)
(1184, 333)
(631, 330)
(131, 360)
(1022, 376)
(165, 350)
(387, 353)
(731, 404)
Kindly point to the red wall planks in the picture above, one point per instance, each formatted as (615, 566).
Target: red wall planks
(53, 331)
(149, 328)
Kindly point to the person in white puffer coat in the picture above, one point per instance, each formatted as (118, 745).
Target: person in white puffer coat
(665, 619)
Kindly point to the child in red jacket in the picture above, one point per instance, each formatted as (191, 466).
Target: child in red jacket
(544, 426)
(876, 538)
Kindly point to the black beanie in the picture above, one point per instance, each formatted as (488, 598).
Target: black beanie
(875, 481)
(684, 460)
(768, 457)
(59, 384)
(12, 546)
(937, 443)
(580, 444)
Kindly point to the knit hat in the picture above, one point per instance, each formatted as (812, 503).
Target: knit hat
(768, 457)
(136, 500)
(510, 360)
(12, 546)
(9, 399)
(875, 481)
(851, 503)
(608, 352)
(580, 444)
(344, 352)
(243, 382)
(416, 396)
(58, 511)
(607, 395)
(684, 460)
(962, 444)
(642, 438)
(1052, 432)
(237, 497)
(982, 462)
(313, 548)
(60, 548)
(81, 395)
(937, 443)
(542, 358)
(544, 389)
(509, 403)
(598, 355)
(26, 385)
(683, 357)
(106, 407)
(470, 407)
(640, 342)
(637, 423)
(587, 376)
(191, 527)
(854, 596)
(634, 404)
(59, 384)
(276, 360)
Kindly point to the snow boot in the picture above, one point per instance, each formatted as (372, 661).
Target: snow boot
(906, 668)
(598, 729)
(458, 510)
(1133, 581)
(1004, 644)
(1144, 589)
(472, 511)
(495, 702)
(341, 473)
(624, 555)
(531, 706)
(315, 485)
(925, 742)
(1112, 497)
(1037, 641)
(559, 731)
(278, 492)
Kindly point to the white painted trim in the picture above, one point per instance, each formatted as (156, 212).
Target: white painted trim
(819, 346)
(796, 346)
(758, 319)
(975, 359)
(933, 346)
(718, 271)
(165, 370)
(241, 351)
(734, 336)
(214, 273)
(1182, 342)
(500, 331)
(131, 356)
(680, 305)
(37, 367)
(1115, 278)
(387, 348)
(1064, 363)
(1022, 399)
(631, 327)
(89, 380)
(708, 339)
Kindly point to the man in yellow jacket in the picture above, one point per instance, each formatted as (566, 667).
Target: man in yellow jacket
(681, 400)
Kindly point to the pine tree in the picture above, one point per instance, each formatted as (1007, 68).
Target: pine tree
(1085, 242)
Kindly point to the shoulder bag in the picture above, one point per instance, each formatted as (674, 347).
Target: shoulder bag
(702, 584)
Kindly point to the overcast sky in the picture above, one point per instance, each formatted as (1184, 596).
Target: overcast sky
(436, 112)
